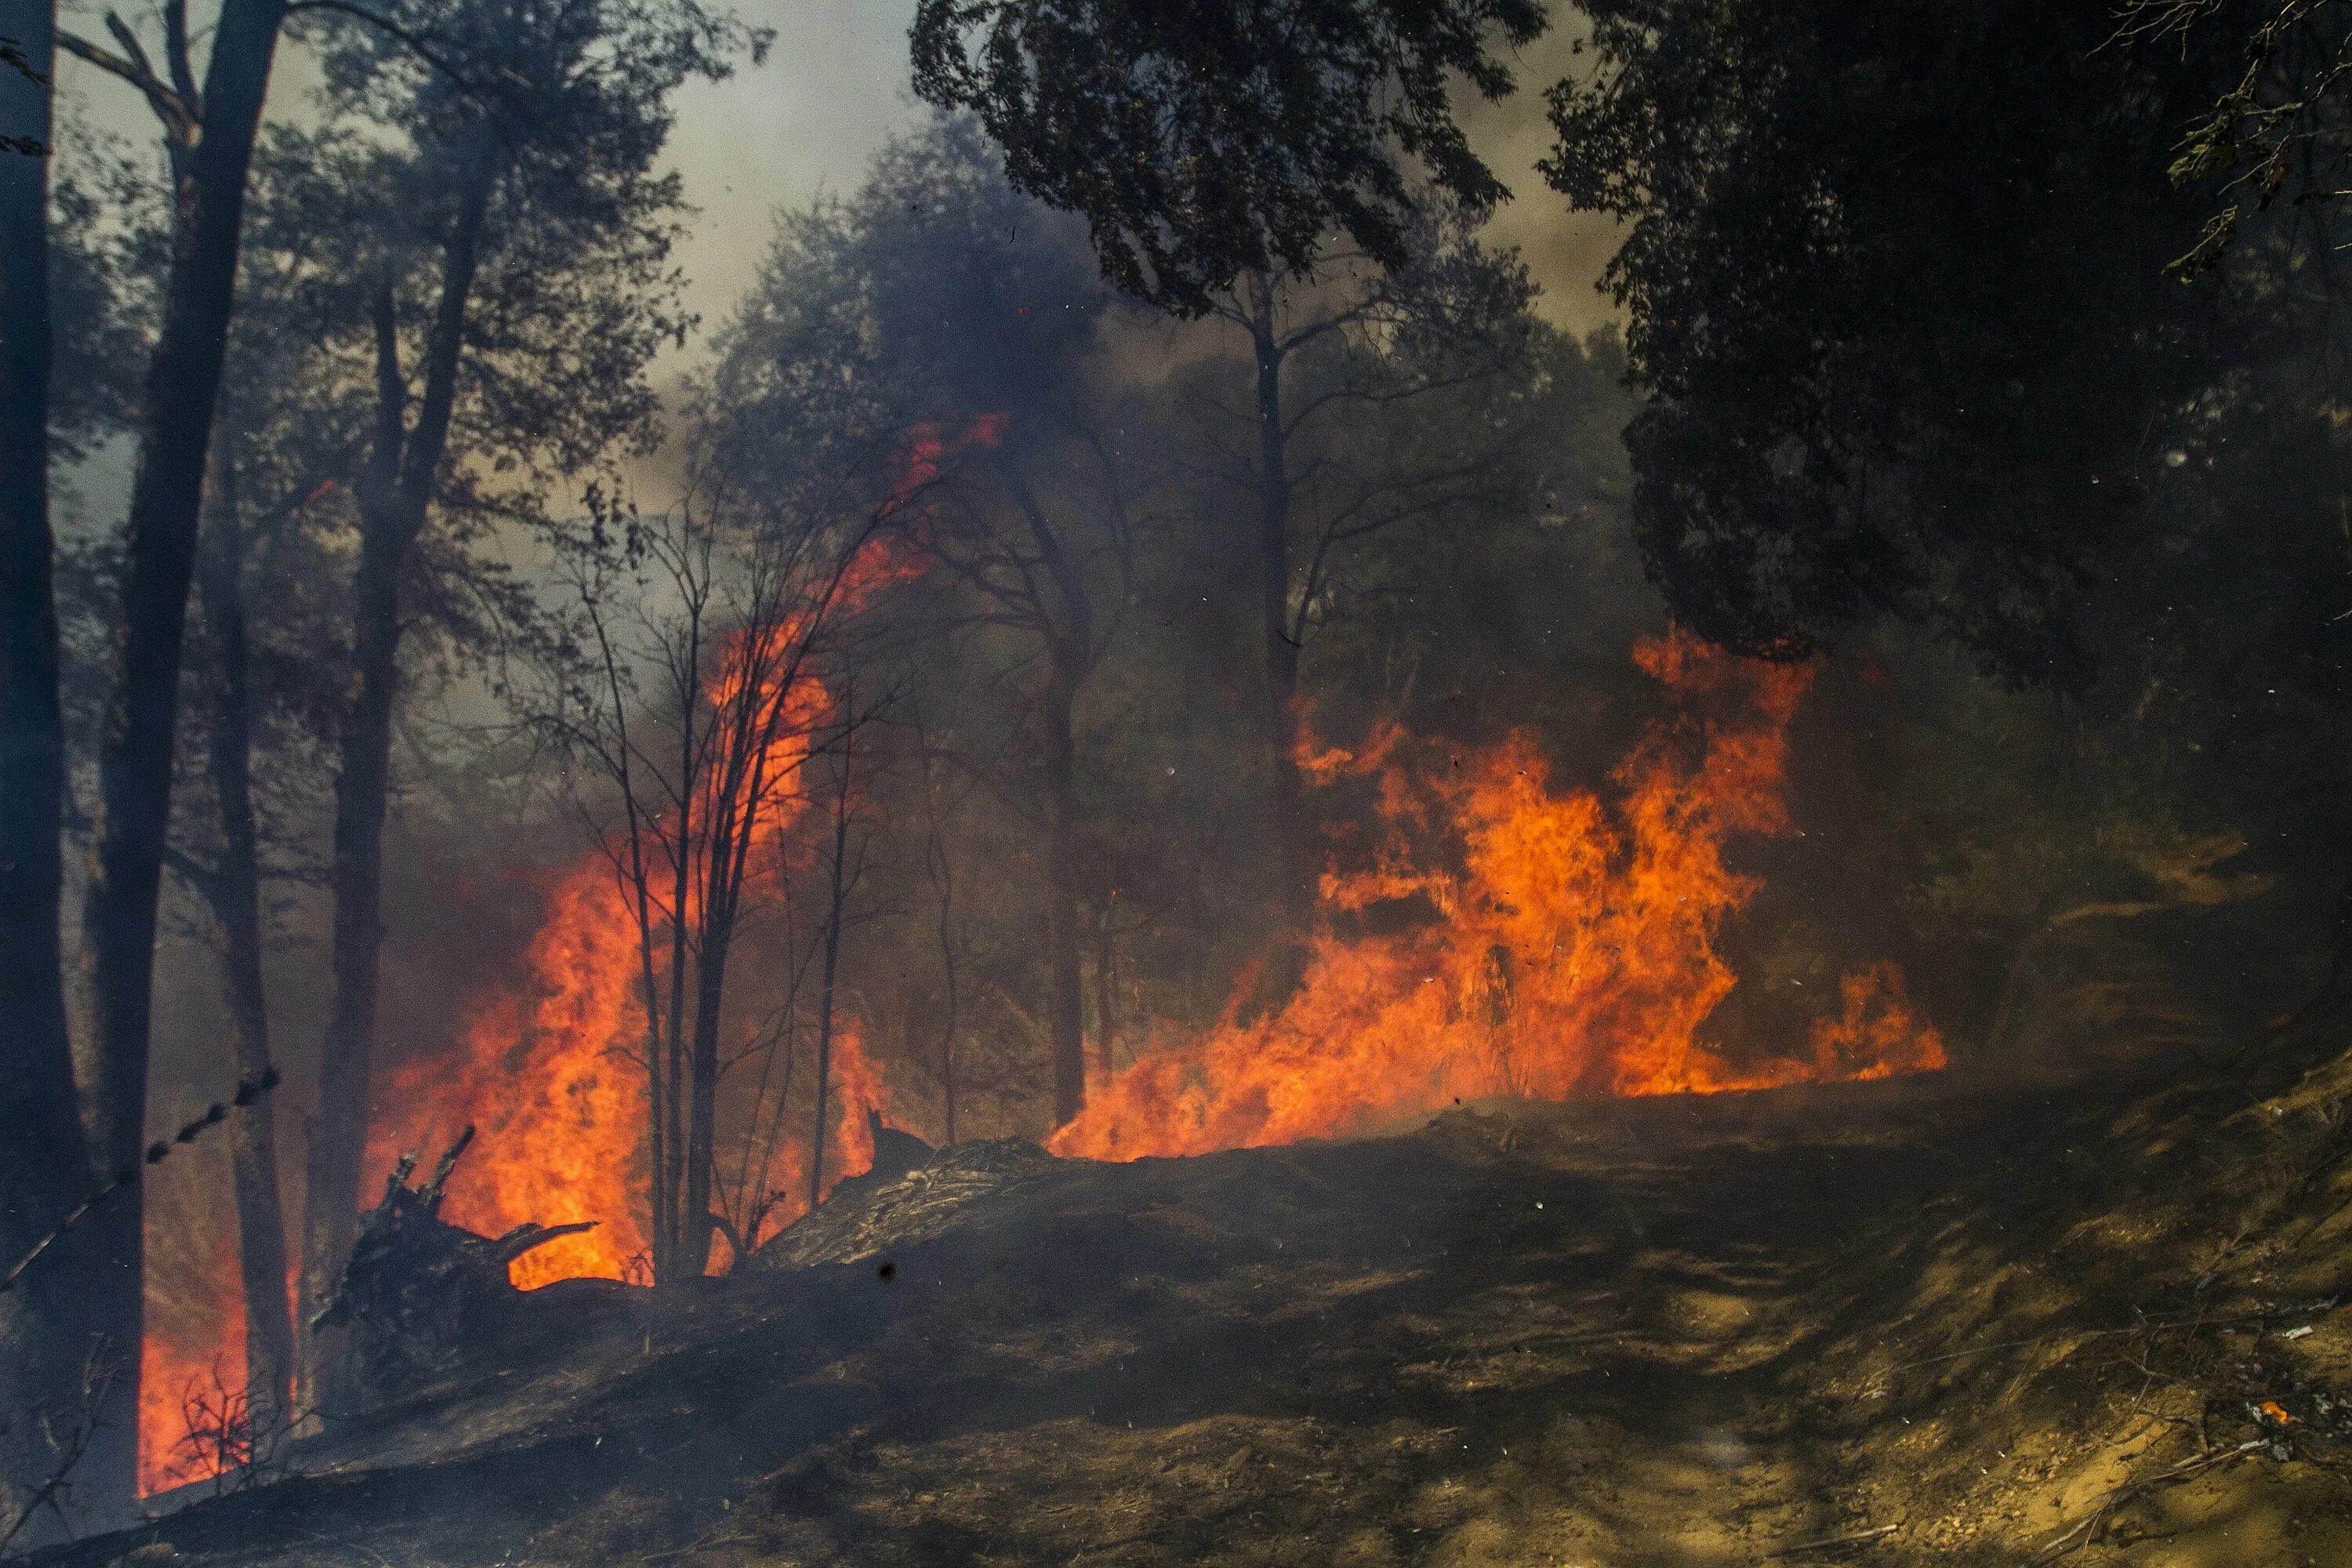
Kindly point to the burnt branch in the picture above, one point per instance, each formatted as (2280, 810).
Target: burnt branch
(248, 1090)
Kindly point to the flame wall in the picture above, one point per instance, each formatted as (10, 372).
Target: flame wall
(1563, 944)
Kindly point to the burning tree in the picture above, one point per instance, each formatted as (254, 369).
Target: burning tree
(967, 318)
(697, 699)
(511, 281)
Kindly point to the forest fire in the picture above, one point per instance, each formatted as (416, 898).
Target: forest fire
(551, 1071)
(1174, 782)
(188, 1362)
(559, 1109)
(1571, 953)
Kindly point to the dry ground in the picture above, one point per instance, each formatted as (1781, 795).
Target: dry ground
(1882, 1324)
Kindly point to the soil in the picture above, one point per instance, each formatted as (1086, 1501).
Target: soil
(1895, 1323)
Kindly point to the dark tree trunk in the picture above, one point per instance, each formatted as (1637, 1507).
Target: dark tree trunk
(669, 1125)
(1065, 1008)
(1294, 880)
(836, 906)
(943, 877)
(1070, 653)
(235, 894)
(44, 1167)
(395, 493)
(1106, 966)
(702, 1110)
(135, 752)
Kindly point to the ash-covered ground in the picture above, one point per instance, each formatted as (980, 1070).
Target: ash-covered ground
(1893, 1324)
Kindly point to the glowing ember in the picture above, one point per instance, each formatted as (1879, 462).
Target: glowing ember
(1560, 946)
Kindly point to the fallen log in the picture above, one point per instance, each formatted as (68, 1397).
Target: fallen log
(417, 1291)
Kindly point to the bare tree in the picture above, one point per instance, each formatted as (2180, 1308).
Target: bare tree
(703, 634)
(1331, 350)
(1039, 527)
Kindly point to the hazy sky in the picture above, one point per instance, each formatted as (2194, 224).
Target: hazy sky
(834, 88)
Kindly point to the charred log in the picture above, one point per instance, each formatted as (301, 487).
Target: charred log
(419, 1293)
(867, 1214)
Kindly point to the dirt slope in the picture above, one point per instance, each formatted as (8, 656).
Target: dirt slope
(1659, 1332)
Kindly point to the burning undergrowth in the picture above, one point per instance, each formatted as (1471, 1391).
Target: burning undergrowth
(1493, 934)
(1512, 938)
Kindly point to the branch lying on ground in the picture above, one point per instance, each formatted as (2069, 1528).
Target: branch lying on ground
(2083, 1336)
(1857, 1538)
(2083, 1531)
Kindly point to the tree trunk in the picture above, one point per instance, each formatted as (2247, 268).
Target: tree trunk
(702, 1110)
(395, 493)
(1106, 966)
(44, 1163)
(1065, 1008)
(1294, 889)
(943, 877)
(236, 898)
(135, 754)
(835, 905)
(338, 1138)
(670, 1128)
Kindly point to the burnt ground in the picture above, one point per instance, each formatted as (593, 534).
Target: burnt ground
(1965, 1326)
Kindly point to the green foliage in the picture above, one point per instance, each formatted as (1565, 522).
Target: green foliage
(2276, 129)
(1208, 140)
(1887, 280)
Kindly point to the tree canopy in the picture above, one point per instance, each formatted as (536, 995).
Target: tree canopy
(1204, 139)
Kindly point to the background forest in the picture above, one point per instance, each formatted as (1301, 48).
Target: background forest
(926, 685)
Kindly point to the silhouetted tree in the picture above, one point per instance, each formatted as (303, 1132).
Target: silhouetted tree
(44, 1167)
(1344, 362)
(1206, 140)
(1903, 346)
(517, 285)
(962, 315)
(270, 591)
(209, 133)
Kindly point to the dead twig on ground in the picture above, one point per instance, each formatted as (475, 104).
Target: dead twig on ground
(2081, 1336)
(691, 1547)
(1857, 1538)
(2084, 1530)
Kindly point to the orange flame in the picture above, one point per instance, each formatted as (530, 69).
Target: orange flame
(544, 1071)
(559, 1113)
(1570, 953)
(856, 1089)
(185, 1356)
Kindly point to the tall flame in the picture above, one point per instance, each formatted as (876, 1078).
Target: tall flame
(545, 1070)
(560, 1112)
(1569, 952)
(186, 1358)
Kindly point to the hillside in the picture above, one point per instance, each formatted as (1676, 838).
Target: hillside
(1893, 1323)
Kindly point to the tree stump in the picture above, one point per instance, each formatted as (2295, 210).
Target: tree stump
(417, 1291)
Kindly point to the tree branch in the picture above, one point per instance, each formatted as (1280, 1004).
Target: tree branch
(407, 39)
(183, 115)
